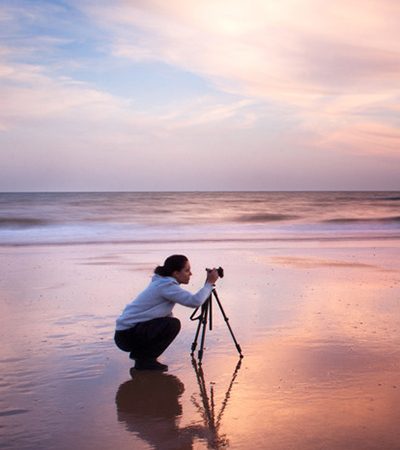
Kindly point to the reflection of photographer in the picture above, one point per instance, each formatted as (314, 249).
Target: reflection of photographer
(146, 326)
(149, 406)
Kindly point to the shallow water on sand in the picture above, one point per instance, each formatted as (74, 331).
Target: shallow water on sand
(318, 323)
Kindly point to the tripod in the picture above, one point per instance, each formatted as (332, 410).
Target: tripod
(206, 316)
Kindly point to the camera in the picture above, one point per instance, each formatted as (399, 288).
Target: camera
(220, 271)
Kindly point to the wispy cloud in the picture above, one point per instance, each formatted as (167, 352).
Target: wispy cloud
(289, 82)
(246, 42)
(327, 61)
(28, 93)
(366, 138)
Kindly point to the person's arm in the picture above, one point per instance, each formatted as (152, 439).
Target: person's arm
(174, 293)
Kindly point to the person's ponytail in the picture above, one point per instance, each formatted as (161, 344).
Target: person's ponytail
(160, 270)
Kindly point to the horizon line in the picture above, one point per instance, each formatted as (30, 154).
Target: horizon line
(193, 191)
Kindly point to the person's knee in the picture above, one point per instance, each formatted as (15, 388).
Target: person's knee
(175, 325)
(121, 342)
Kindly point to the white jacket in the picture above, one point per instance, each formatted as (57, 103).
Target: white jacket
(158, 300)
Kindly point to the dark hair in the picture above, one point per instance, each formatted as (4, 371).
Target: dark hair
(171, 264)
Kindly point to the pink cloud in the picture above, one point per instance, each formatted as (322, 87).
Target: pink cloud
(329, 64)
(372, 138)
(304, 75)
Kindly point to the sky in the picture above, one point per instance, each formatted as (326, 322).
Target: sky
(152, 95)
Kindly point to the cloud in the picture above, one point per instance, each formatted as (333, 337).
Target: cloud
(29, 94)
(57, 131)
(324, 63)
(366, 138)
(259, 45)
(283, 83)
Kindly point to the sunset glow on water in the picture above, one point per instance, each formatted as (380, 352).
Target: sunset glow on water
(317, 320)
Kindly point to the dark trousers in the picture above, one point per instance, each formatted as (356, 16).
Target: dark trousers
(148, 340)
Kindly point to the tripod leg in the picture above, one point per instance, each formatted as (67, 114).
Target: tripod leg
(204, 324)
(210, 313)
(227, 323)
(200, 319)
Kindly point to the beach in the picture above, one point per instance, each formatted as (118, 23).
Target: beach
(315, 309)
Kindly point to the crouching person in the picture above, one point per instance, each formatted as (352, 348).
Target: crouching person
(146, 326)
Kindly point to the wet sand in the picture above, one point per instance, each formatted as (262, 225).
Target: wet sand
(318, 323)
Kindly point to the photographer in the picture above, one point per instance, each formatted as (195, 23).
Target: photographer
(146, 326)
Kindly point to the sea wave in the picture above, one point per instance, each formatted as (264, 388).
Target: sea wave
(267, 217)
(348, 220)
(392, 198)
(22, 222)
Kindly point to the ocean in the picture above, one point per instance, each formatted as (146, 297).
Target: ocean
(144, 217)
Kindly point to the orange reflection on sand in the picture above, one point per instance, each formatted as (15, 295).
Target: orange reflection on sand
(304, 394)
(329, 378)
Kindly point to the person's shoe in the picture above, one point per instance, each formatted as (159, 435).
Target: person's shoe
(150, 364)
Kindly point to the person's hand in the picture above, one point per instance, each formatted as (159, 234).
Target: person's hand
(212, 275)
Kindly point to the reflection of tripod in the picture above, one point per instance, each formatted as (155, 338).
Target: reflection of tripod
(212, 420)
(204, 316)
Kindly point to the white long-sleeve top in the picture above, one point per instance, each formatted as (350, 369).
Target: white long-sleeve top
(158, 300)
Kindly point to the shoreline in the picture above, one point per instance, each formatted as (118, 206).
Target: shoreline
(182, 241)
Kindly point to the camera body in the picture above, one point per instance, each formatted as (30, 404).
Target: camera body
(220, 271)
